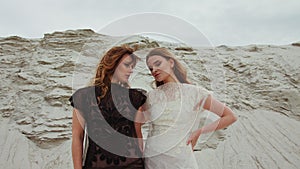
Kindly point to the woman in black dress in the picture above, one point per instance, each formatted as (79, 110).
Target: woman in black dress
(107, 109)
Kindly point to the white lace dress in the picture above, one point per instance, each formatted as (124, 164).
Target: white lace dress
(173, 113)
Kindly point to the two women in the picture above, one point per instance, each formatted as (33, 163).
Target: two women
(109, 110)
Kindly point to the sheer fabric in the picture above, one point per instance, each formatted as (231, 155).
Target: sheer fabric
(112, 139)
(173, 113)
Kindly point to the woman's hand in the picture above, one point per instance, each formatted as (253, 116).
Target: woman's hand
(194, 138)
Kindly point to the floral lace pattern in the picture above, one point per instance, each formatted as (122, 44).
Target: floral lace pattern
(110, 126)
(173, 113)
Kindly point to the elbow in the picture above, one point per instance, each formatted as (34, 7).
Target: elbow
(231, 116)
(234, 118)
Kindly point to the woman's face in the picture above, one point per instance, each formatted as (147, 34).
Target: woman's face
(161, 68)
(124, 70)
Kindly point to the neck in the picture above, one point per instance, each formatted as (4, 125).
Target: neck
(126, 85)
(171, 79)
(113, 80)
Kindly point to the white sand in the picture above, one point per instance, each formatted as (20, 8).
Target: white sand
(260, 83)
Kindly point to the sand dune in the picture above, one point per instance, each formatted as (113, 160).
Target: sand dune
(259, 82)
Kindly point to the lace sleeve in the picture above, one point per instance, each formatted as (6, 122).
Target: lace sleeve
(201, 96)
(202, 93)
(137, 97)
(79, 100)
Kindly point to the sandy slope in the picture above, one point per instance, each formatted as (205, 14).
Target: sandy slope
(259, 82)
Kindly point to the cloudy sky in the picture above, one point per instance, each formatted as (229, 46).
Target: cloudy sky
(228, 22)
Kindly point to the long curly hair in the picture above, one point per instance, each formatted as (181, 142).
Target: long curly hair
(179, 70)
(108, 64)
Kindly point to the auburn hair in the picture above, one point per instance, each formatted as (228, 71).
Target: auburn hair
(108, 64)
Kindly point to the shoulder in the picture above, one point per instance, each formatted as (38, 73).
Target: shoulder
(83, 94)
(138, 91)
(153, 93)
(137, 96)
(194, 87)
(197, 90)
(85, 91)
(190, 87)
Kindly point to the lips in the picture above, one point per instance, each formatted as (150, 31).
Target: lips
(156, 75)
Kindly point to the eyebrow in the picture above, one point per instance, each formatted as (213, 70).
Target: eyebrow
(156, 61)
(129, 62)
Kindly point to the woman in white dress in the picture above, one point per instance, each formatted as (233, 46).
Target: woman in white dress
(172, 110)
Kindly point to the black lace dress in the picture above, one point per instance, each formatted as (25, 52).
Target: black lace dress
(112, 142)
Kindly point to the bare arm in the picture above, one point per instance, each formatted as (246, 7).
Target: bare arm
(226, 115)
(77, 139)
(138, 122)
(220, 109)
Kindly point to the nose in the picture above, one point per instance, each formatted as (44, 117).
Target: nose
(131, 69)
(154, 70)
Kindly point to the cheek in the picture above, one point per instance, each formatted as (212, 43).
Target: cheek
(120, 68)
(166, 68)
(118, 71)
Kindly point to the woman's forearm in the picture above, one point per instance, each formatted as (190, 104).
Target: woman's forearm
(220, 109)
(77, 139)
(77, 153)
(226, 119)
(138, 129)
(138, 122)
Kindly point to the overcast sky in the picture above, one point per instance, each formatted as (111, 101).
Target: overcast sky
(228, 22)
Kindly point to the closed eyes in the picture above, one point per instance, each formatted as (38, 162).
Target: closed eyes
(129, 65)
(156, 64)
